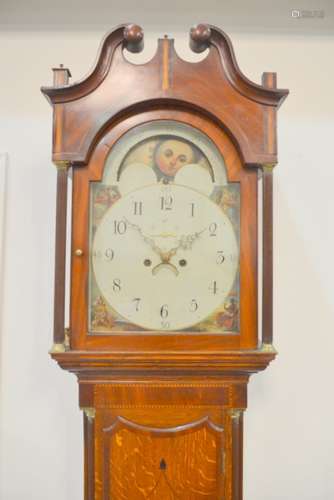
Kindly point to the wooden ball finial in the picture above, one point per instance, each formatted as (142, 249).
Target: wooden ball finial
(134, 38)
(199, 37)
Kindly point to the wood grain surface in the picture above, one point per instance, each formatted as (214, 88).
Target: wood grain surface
(141, 465)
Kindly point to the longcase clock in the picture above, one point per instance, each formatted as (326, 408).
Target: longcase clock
(167, 161)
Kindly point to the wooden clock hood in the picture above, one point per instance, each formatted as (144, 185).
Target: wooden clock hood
(112, 94)
(215, 86)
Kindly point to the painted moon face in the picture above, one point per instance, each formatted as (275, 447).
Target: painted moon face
(196, 177)
(173, 154)
(135, 176)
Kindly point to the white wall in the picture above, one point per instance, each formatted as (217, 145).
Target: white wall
(288, 427)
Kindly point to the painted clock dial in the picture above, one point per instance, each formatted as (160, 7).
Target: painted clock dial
(165, 256)
(164, 235)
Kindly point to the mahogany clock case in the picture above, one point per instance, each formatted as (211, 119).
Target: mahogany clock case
(163, 411)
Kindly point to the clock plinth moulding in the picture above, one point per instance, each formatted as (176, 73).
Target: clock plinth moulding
(152, 397)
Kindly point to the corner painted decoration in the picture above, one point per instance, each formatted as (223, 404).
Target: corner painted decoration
(164, 311)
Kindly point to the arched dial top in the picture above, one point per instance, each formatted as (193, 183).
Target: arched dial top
(164, 235)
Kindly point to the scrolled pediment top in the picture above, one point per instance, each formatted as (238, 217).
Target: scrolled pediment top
(203, 36)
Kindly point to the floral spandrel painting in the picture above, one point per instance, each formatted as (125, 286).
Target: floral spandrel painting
(165, 159)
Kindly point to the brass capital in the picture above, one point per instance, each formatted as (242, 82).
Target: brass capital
(63, 346)
(268, 167)
(62, 164)
(57, 348)
(89, 412)
(268, 348)
(236, 413)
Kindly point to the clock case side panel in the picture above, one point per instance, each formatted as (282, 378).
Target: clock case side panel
(160, 341)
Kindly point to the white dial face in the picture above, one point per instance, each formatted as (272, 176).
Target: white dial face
(165, 257)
